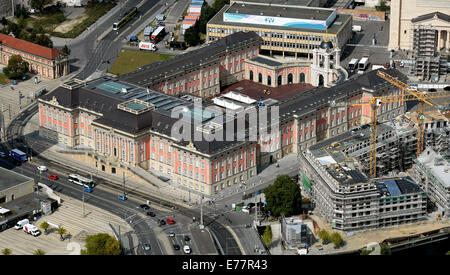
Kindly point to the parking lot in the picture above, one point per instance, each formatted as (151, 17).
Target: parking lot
(361, 43)
(69, 216)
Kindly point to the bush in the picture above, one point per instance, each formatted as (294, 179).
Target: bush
(324, 236)
(267, 236)
(336, 239)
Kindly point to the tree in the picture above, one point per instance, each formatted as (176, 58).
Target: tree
(448, 253)
(66, 50)
(17, 67)
(191, 35)
(283, 197)
(21, 12)
(336, 238)
(4, 21)
(325, 236)
(6, 251)
(367, 252)
(267, 236)
(39, 4)
(385, 249)
(39, 252)
(13, 28)
(45, 227)
(102, 244)
(44, 40)
(61, 231)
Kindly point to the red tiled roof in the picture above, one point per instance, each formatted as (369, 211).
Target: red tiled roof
(256, 90)
(29, 47)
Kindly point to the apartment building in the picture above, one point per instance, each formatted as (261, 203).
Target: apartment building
(346, 197)
(432, 171)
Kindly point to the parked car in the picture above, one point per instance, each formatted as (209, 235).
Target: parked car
(53, 177)
(147, 246)
(187, 249)
(2, 154)
(251, 204)
(162, 222)
(186, 238)
(42, 168)
(171, 221)
(151, 214)
(176, 247)
(171, 234)
(145, 206)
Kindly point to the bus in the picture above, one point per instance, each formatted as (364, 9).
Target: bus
(157, 35)
(362, 64)
(125, 18)
(77, 179)
(353, 64)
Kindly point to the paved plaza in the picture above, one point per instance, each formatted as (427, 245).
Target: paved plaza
(68, 215)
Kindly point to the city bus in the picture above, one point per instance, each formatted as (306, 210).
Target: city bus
(125, 18)
(362, 65)
(157, 35)
(353, 64)
(77, 179)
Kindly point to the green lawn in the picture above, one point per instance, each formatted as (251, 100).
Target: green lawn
(130, 60)
(4, 79)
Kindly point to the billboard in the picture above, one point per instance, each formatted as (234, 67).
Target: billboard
(279, 21)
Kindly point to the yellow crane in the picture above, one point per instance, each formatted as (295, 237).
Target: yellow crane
(375, 102)
(422, 97)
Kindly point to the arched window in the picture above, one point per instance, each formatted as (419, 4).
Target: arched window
(269, 80)
(302, 78)
(280, 80)
(251, 75)
(289, 78)
(321, 80)
(260, 77)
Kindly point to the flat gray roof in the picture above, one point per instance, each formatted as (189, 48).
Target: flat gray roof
(10, 179)
(294, 11)
(281, 2)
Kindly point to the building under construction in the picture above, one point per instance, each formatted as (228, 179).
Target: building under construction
(432, 172)
(428, 62)
(334, 173)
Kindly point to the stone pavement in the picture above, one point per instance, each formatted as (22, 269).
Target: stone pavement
(69, 216)
(10, 103)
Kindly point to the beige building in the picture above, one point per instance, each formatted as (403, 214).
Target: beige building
(407, 13)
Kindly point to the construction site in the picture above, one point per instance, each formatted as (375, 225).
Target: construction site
(362, 179)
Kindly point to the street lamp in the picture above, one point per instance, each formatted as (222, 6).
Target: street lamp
(201, 212)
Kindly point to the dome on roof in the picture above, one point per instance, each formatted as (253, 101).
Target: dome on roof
(326, 45)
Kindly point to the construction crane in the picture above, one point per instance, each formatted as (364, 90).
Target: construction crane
(375, 102)
(421, 97)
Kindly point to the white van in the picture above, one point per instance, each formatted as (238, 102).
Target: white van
(32, 229)
(20, 224)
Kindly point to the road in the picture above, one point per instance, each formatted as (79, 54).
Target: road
(91, 55)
